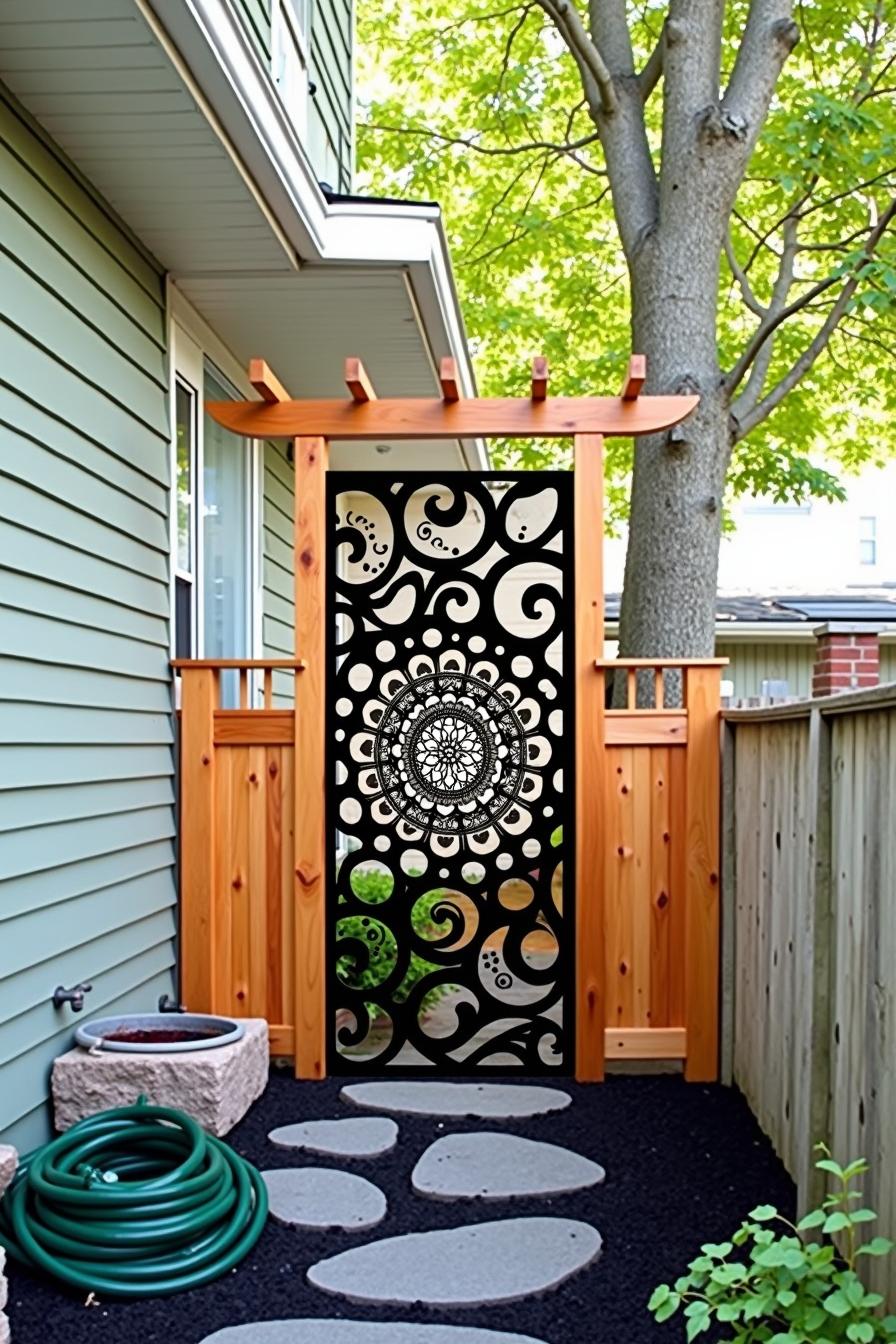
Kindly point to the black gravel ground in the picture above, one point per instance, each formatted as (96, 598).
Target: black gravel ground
(684, 1163)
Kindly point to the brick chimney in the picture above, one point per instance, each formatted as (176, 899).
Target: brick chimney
(847, 658)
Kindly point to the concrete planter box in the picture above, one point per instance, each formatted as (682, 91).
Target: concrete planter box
(216, 1087)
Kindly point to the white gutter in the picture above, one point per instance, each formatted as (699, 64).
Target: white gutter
(212, 41)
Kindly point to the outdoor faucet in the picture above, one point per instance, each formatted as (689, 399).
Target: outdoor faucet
(74, 996)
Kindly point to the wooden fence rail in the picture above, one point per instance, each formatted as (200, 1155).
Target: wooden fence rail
(656, 889)
(809, 830)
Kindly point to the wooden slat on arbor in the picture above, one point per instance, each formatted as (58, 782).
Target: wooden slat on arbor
(426, 418)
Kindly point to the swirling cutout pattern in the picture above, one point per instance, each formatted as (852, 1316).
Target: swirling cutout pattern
(449, 661)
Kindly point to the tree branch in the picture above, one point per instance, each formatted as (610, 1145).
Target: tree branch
(780, 291)
(500, 150)
(802, 365)
(743, 283)
(770, 35)
(773, 320)
(652, 72)
(569, 24)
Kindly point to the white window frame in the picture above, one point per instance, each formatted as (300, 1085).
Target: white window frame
(192, 346)
(868, 538)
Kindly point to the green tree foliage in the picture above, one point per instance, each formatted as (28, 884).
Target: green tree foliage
(481, 106)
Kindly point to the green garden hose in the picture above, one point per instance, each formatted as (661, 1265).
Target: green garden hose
(133, 1202)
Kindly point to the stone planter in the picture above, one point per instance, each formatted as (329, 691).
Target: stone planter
(216, 1087)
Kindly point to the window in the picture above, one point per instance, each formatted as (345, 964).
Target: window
(289, 58)
(185, 557)
(868, 541)
(215, 525)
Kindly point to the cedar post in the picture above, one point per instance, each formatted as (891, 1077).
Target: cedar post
(311, 458)
(590, 799)
(701, 950)
(199, 700)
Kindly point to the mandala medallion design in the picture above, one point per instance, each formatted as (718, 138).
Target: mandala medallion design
(450, 753)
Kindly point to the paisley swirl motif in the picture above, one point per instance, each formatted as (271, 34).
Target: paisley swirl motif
(448, 681)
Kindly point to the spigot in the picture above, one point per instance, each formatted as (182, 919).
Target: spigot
(73, 996)
(169, 1005)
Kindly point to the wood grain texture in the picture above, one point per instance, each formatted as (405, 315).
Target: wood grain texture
(701, 950)
(311, 456)
(448, 379)
(590, 764)
(539, 378)
(646, 1043)
(199, 819)
(480, 417)
(635, 378)
(266, 383)
(648, 727)
(251, 727)
(358, 381)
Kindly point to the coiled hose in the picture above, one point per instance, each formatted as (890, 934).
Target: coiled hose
(134, 1202)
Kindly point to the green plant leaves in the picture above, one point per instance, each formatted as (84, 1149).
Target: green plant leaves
(771, 1285)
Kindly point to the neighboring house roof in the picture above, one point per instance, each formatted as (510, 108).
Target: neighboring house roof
(790, 613)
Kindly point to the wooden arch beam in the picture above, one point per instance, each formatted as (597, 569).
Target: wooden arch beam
(468, 418)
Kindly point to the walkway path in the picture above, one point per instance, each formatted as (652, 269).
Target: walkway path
(460, 1215)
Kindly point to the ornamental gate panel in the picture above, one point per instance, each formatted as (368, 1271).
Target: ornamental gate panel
(450, 772)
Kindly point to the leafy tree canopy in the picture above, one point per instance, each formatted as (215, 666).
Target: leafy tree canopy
(480, 106)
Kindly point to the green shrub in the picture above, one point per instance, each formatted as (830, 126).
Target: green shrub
(773, 1283)
(375, 886)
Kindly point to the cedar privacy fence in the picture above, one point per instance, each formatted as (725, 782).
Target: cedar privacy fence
(809, 891)
(653, 781)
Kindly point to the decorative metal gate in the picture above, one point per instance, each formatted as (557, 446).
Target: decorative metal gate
(449, 782)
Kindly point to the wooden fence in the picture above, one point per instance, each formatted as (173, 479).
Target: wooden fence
(809, 833)
(656, 790)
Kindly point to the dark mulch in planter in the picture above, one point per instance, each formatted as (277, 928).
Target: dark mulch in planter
(684, 1163)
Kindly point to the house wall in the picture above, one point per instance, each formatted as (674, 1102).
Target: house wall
(329, 143)
(332, 112)
(278, 584)
(86, 778)
(256, 17)
(751, 664)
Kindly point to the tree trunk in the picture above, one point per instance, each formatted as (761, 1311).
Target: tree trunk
(671, 568)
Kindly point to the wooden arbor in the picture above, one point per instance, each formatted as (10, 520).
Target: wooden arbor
(253, 779)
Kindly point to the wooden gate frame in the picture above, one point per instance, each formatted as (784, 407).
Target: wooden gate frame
(312, 425)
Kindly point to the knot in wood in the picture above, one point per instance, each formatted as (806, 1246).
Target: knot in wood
(719, 123)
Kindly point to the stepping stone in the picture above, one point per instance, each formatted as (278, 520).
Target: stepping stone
(496, 1101)
(318, 1197)
(478, 1265)
(368, 1136)
(323, 1331)
(500, 1166)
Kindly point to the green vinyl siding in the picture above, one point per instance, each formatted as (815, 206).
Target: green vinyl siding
(331, 72)
(86, 773)
(255, 15)
(751, 664)
(277, 565)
